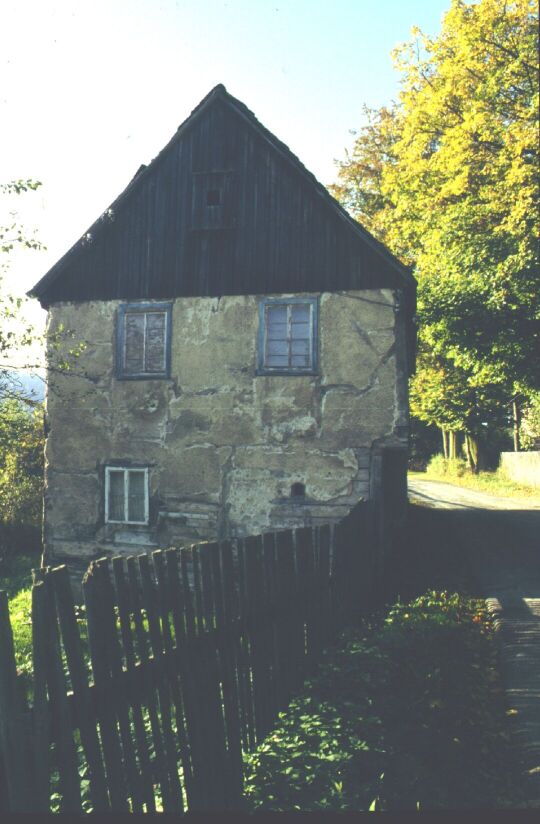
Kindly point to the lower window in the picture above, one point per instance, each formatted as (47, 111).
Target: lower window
(126, 495)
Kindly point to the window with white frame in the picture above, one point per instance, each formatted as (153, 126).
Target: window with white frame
(143, 340)
(288, 335)
(126, 495)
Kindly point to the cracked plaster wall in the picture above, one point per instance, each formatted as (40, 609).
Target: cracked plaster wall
(223, 445)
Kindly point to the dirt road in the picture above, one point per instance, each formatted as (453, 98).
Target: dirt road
(501, 539)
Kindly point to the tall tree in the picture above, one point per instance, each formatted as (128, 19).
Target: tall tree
(457, 193)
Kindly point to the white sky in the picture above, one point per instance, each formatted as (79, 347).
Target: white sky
(90, 90)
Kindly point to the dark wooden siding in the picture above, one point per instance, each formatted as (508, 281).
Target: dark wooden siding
(276, 233)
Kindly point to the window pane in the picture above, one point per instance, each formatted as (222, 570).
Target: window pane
(300, 347)
(300, 312)
(300, 360)
(277, 347)
(277, 360)
(116, 496)
(136, 495)
(300, 330)
(134, 342)
(276, 314)
(277, 331)
(155, 342)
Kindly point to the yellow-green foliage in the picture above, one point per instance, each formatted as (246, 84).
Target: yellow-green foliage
(21, 462)
(448, 178)
(20, 608)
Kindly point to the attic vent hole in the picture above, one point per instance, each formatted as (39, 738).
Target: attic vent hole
(298, 490)
(213, 197)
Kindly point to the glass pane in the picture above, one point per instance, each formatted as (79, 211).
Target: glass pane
(300, 330)
(277, 360)
(300, 312)
(116, 496)
(155, 342)
(277, 331)
(134, 342)
(136, 496)
(300, 360)
(276, 314)
(300, 347)
(277, 347)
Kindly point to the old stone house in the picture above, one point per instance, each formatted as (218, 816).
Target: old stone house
(246, 351)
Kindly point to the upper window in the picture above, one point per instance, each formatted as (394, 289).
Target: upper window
(126, 495)
(288, 336)
(143, 341)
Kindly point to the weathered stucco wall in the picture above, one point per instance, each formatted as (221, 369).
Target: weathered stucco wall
(223, 445)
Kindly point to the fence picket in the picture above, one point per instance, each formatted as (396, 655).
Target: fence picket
(78, 674)
(172, 801)
(40, 710)
(61, 712)
(225, 647)
(159, 765)
(110, 737)
(165, 608)
(123, 600)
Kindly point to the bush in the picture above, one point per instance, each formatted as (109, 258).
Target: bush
(324, 742)
(406, 715)
(452, 467)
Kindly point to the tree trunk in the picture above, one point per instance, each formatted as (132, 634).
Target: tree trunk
(444, 433)
(472, 449)
(452, 445)
(517, 424)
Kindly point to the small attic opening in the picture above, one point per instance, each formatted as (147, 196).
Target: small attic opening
(298, 490)
(213, 197)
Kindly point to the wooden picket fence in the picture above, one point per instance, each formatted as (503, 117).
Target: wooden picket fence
(180, 663)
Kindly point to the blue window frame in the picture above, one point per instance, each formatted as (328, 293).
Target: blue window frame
(143, 341)
(288, 336)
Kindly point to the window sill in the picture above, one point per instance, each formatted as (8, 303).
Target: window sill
(143, 377)
(289, 373)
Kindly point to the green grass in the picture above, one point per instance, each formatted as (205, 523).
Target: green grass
(16, 579)
(494, 483)
(407, 714)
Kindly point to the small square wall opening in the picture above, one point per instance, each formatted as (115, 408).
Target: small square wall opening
(213, 197)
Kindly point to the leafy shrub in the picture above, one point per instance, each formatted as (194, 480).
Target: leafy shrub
(326, 751)
(406, 715)
(452, 467)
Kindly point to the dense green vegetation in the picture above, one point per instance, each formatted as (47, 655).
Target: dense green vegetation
(404, 714)
(16, 580)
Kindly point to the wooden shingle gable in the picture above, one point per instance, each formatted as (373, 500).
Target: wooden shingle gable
(224, 208)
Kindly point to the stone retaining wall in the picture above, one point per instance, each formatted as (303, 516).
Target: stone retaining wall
(522, 467)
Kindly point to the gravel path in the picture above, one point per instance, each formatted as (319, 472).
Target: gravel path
(502, 538)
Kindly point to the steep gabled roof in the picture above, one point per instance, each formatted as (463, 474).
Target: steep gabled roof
(402, 273)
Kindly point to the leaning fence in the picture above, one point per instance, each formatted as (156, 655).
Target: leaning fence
(178, 664)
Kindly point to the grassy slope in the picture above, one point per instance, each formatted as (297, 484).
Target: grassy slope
(16, 579)
(491, 482)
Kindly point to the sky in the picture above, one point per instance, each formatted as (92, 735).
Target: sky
(91, 90)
